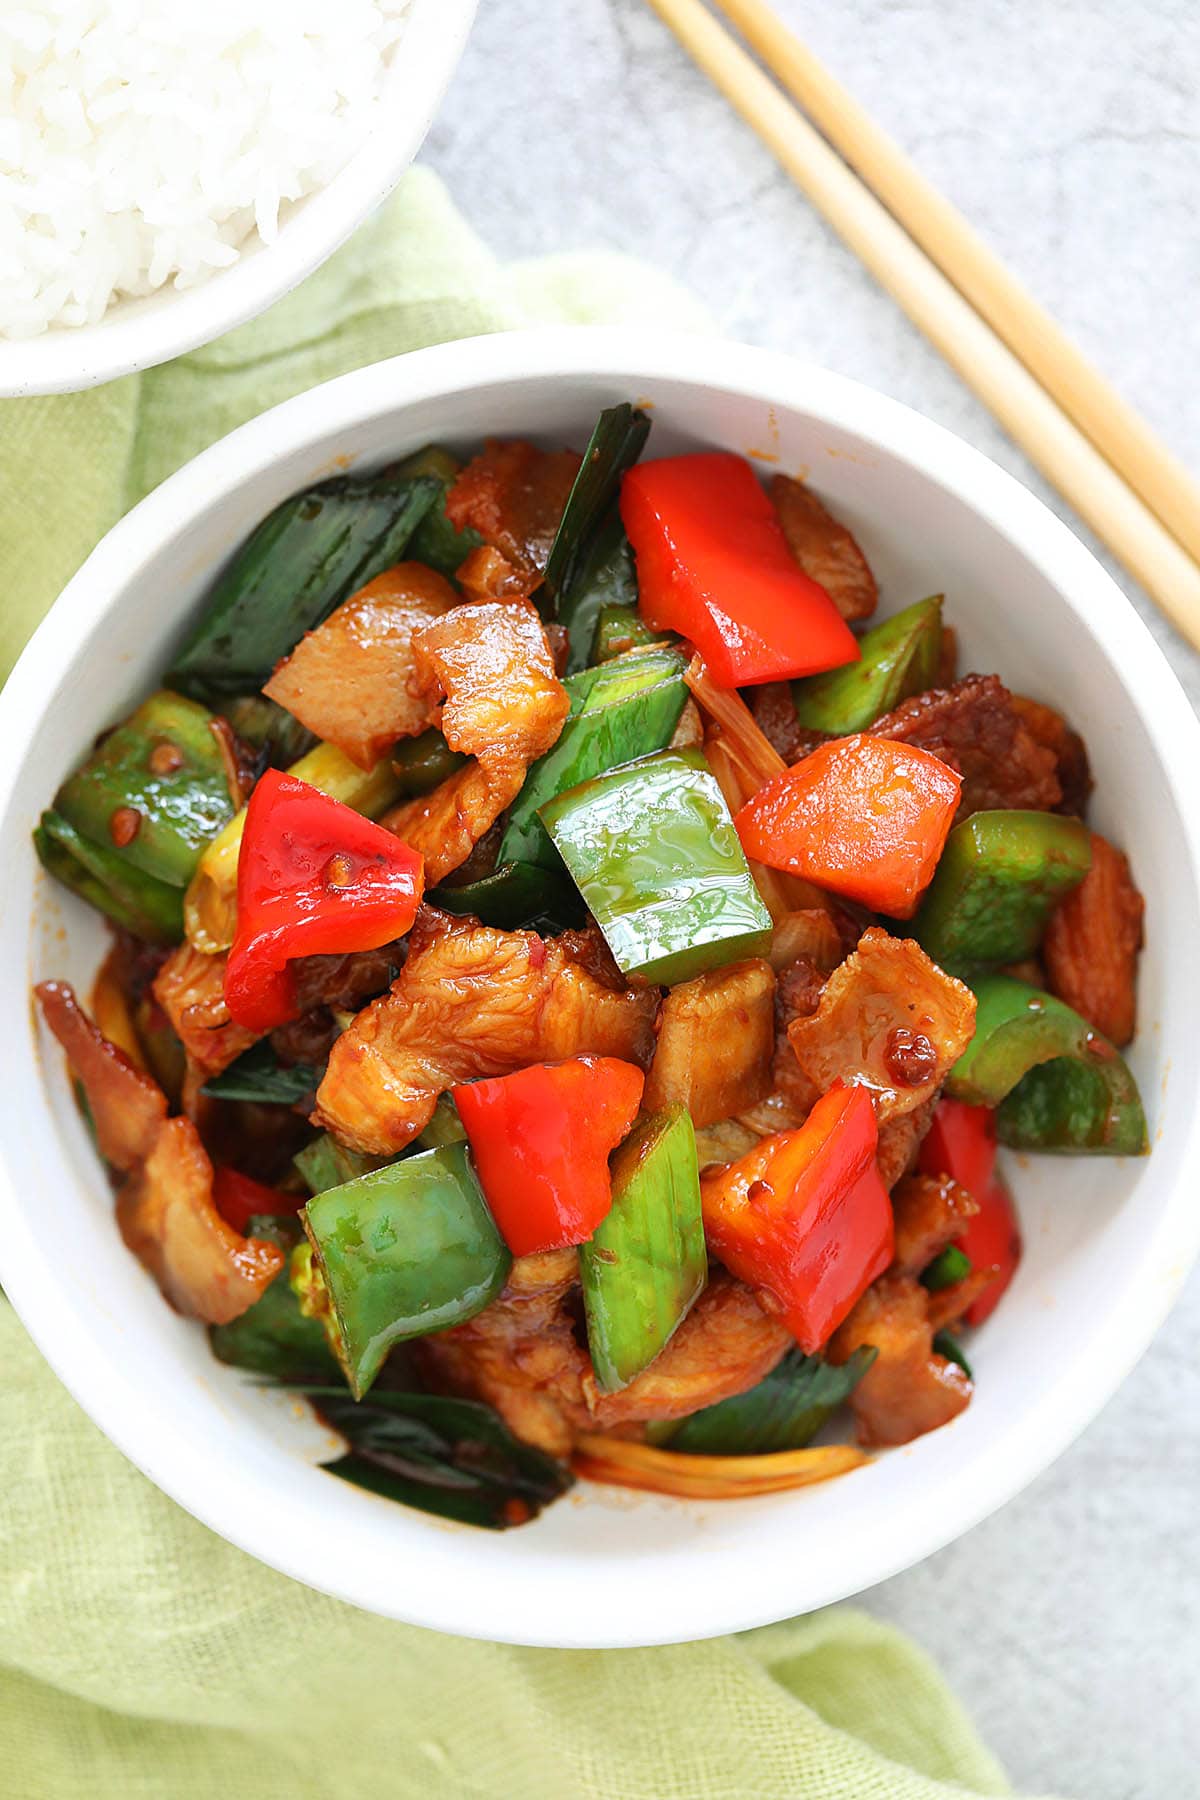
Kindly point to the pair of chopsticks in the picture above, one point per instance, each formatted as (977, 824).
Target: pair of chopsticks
(1089, 442)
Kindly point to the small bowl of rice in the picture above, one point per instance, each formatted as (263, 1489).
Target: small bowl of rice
(167, 170)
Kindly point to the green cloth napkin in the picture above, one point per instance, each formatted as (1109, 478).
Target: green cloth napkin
(143, 1658)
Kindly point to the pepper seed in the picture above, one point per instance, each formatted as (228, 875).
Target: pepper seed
(124, 825)
(339, 871)
(165, 758)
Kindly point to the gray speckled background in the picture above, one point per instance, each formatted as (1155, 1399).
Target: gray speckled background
(1070, 134)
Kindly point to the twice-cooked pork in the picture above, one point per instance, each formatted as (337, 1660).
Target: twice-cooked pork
(716, 1037)
(513, 495)
(1092, 943)
(977, 728)
(190, 988)
(503, 707)
(931, 1211)
(471, 1001)
(824, 549)
(553, 1090)
(127, 1108)
(524, 1355)
(889, 1020)
(166, 1214)
(351, 681)
(909, 1388)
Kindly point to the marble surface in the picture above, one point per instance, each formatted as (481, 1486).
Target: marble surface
(1069, 1622)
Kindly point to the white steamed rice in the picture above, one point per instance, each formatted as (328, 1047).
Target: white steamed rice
(145, 142)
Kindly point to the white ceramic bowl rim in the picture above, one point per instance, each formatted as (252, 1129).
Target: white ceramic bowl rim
(251, 1511)
(138, 334)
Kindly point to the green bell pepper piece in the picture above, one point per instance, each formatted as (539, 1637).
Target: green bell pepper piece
(785, 1410)
(1058, 1083)
(646, 1263)
(307, 1282)
(1071, 1107)
(407, 1250)
(622, 628)
(653, 850)
(515, 894)
(625, 708)
(265, 725)
(445, 1127)
(305, 558)
(179, 808)
(326, 1164)
(899, 658)
(999, 878)
(274, 1337)
(165, 1056)
(423, 763)
(99, 874)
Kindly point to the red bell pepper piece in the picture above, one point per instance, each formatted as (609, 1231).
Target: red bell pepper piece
(862, 816)
(239, 1198)
(541, 1140)
(961, 1143)
(314, 878)
(804, 1217)
(714, 565)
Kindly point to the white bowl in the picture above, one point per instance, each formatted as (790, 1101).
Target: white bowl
(137, 334)
(1108, 1242)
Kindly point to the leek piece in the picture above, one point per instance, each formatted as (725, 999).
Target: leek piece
(784, 1412)
(646, 1264)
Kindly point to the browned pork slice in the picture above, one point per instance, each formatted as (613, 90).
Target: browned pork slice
(716, 1038)
(522, 1354)
(166, 1214)
(900, 1139)
(889, 1020)
(504, 703)
(127, 1107)
(816, 936)
(797, 997)
(351, 680)
(824, 549)
(327, 986)
(513, 495)
(504, 706)
(931, 1211)
(525, 1356)
(977, 727)
(726, 1344)
(1070, 752)
(190, 988)
(774, 712)
(909, 1389)
(1092, 942)
(445, 826)
(165, 1204)
(472, 1001)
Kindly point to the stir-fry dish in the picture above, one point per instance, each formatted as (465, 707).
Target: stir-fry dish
(571, 973)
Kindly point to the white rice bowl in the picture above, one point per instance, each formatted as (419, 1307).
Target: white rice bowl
(147, 143)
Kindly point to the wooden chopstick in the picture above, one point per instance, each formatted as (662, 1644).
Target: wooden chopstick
(1031, 417)
(1116, 429)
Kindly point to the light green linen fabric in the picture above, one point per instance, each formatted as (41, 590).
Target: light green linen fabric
(141, 1658)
